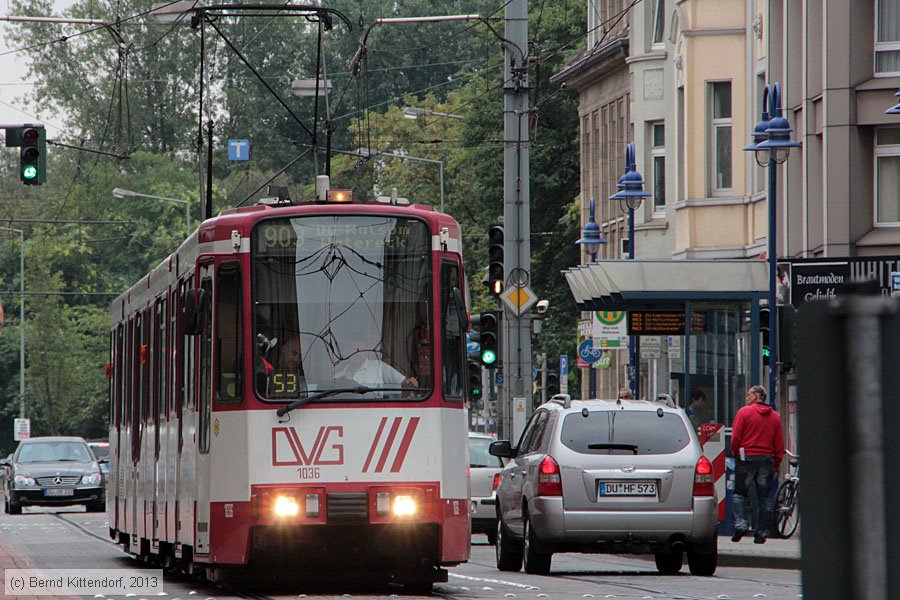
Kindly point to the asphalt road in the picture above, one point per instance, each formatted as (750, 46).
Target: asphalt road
(69, 538)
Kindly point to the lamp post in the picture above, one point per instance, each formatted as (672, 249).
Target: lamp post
(366, 153)
(122, 193)
(631, 193)
(21, 319)
(771, 145)
(591, 240)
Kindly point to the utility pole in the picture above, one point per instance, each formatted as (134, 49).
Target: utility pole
(516, 345)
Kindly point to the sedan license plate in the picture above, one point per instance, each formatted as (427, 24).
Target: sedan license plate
(59, 492)
(627, 488)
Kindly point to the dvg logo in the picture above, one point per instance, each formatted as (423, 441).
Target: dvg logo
(288, 450)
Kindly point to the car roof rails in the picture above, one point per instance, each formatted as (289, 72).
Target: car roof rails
(563, 400)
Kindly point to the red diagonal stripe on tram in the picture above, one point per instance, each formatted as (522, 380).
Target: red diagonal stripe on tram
(404, 444)
(379, 468)
(374, 444)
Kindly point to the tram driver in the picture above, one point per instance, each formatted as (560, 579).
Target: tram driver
(363, 366)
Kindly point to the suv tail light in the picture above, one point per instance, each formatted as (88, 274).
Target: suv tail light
(549, 480)
(496, 480)
(703, 478)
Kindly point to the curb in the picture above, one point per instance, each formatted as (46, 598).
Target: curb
(758, 561)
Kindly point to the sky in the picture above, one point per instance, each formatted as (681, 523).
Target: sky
(13, 84)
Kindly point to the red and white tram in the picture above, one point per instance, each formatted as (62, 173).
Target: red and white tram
(288, 396)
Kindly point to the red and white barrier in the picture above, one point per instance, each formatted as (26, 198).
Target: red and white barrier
(712, 437)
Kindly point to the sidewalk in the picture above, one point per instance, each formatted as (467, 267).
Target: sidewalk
(9, 559)
(774, 554)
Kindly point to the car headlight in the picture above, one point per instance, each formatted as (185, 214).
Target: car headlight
(92, 479)
(23, 481)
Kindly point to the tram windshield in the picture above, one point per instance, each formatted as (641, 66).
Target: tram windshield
(342, 301)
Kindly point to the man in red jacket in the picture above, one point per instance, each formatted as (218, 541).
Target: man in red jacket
(757, 445)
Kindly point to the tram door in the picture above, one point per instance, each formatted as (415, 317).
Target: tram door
(204, 408)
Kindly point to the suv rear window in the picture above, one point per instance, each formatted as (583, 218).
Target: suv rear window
(624, 432)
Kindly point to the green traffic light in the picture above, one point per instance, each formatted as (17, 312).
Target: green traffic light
(488, 357)
(29, 172)
(766, 352)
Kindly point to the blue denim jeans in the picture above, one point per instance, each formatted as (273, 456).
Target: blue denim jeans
(758, 471)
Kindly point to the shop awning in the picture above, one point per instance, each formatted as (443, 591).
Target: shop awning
(624, 284)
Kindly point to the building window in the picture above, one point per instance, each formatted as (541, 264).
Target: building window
(593, 22)
(887, 176)
(658, 159)
(887, 37)
(720, 130)
(657, 21)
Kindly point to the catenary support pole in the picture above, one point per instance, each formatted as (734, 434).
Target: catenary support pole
(515, 348)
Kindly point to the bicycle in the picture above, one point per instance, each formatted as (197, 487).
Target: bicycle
(787, 509)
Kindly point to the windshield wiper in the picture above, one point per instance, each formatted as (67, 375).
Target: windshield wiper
(362, 389)
(630, 447)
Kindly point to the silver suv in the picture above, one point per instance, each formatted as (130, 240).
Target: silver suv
(606, 476)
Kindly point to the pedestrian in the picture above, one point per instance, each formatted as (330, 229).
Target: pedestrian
(698, 399)
(625, 394)
(757, 444)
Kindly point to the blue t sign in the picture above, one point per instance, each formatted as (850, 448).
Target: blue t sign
(238, 149)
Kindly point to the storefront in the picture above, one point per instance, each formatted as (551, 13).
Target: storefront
(694, 325)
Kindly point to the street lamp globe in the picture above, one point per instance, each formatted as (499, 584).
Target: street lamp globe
(632, 191)
(590, 235)
(894, 110)
(779, 142)
(760, 135)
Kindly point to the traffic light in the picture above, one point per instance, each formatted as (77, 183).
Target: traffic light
(552, 383)
(32, 156)
(495, 259)
(473, 369)
(764, 331)
(489, 337)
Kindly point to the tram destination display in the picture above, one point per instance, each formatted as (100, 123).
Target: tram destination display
(662, 322)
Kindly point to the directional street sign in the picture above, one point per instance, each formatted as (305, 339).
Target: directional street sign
(519, 299)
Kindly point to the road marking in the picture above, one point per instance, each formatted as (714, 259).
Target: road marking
(520, 586)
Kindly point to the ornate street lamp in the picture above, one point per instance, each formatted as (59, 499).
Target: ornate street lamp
(894, 110)
(591, 239)
(772, 144)
(630, 195)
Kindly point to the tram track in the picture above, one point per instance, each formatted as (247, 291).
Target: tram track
(464, 586)
(229, 589)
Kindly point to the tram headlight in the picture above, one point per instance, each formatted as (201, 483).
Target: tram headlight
(286, 506)
(404, 506)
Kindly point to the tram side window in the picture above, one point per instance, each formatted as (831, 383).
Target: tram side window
(205, 375)
(229, 332)
(452, 338)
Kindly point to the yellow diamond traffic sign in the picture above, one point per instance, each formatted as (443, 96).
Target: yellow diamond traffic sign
(519, 299)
